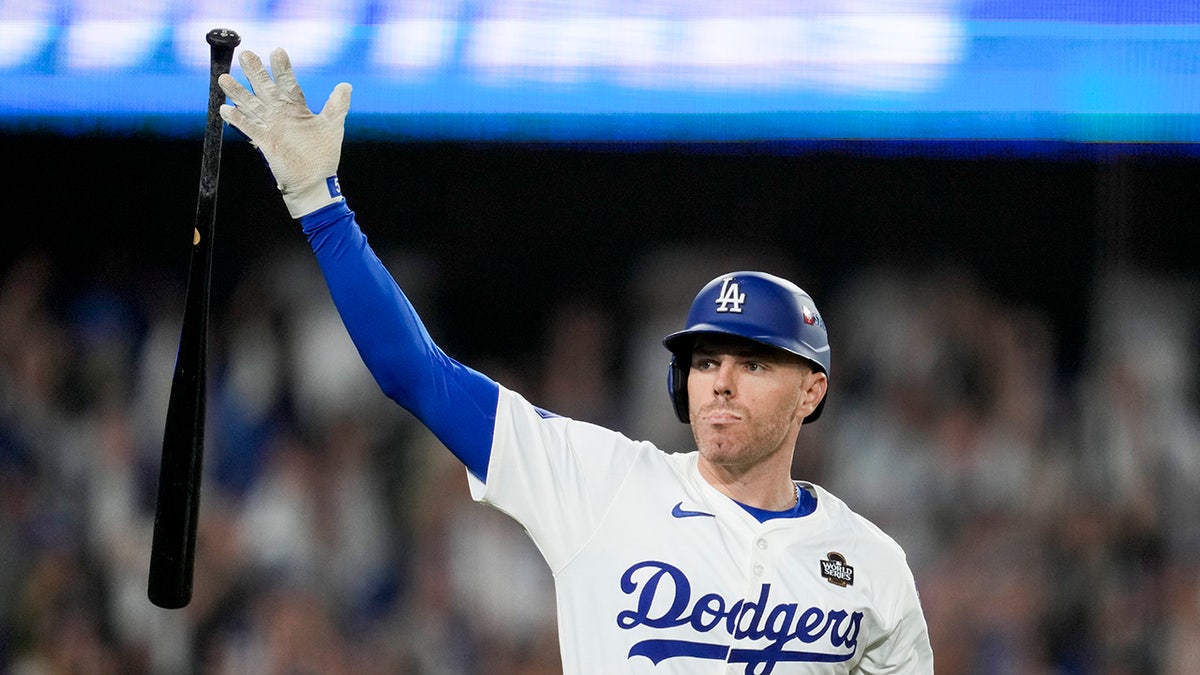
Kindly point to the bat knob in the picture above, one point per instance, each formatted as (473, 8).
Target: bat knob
(223, 37)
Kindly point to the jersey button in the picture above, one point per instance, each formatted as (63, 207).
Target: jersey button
(758, 570)
(762, 544)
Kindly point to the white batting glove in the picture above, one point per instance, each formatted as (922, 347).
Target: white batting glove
(302, 149)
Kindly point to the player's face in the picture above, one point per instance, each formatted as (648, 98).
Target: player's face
(747, 401)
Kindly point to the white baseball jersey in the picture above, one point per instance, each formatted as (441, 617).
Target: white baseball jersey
(657, 572)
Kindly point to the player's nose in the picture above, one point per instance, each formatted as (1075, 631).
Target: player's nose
(724, 378)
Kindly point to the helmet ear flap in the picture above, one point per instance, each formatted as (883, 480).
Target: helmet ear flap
(677, 388)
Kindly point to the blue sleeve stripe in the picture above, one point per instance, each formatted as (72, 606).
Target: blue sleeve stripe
(456, 403)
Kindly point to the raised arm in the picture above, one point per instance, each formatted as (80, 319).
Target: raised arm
(302, 150)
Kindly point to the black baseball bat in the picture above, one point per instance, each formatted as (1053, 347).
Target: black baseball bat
(173, 551)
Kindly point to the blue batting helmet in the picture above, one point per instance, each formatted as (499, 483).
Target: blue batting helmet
(757, 306)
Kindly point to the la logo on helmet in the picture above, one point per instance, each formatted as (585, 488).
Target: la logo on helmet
(730, 298)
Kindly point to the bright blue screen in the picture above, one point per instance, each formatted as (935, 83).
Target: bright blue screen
(1022, 70)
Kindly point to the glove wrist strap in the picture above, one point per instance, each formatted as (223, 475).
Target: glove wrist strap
(312, 198)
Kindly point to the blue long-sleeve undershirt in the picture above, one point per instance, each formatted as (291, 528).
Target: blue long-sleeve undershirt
(456, 403)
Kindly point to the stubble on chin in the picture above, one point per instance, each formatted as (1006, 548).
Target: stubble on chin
(741, 444)
(722, 446)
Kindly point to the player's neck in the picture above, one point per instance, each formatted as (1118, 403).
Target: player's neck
(765, 486)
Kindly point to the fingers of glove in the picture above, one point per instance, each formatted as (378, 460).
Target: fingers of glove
(246, 101)
(285, 78)
(337, 105)
(257, 74)
(243, 123)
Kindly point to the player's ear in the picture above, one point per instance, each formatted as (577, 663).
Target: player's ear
(813, 386)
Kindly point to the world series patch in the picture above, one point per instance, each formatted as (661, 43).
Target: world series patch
(836, 571)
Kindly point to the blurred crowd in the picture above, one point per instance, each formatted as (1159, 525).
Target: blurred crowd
(1049, 513)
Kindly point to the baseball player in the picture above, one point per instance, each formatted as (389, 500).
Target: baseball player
(712, 561)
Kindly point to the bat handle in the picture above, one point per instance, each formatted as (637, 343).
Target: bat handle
(222, 42)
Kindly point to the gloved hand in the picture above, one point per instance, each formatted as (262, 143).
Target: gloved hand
(302, 149)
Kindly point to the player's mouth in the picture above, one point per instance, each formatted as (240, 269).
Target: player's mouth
(720, 415)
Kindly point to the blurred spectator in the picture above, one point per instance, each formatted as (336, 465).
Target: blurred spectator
(1140, 426)
(941, 404)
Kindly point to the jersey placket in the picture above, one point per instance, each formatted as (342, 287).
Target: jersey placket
(760, 570)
